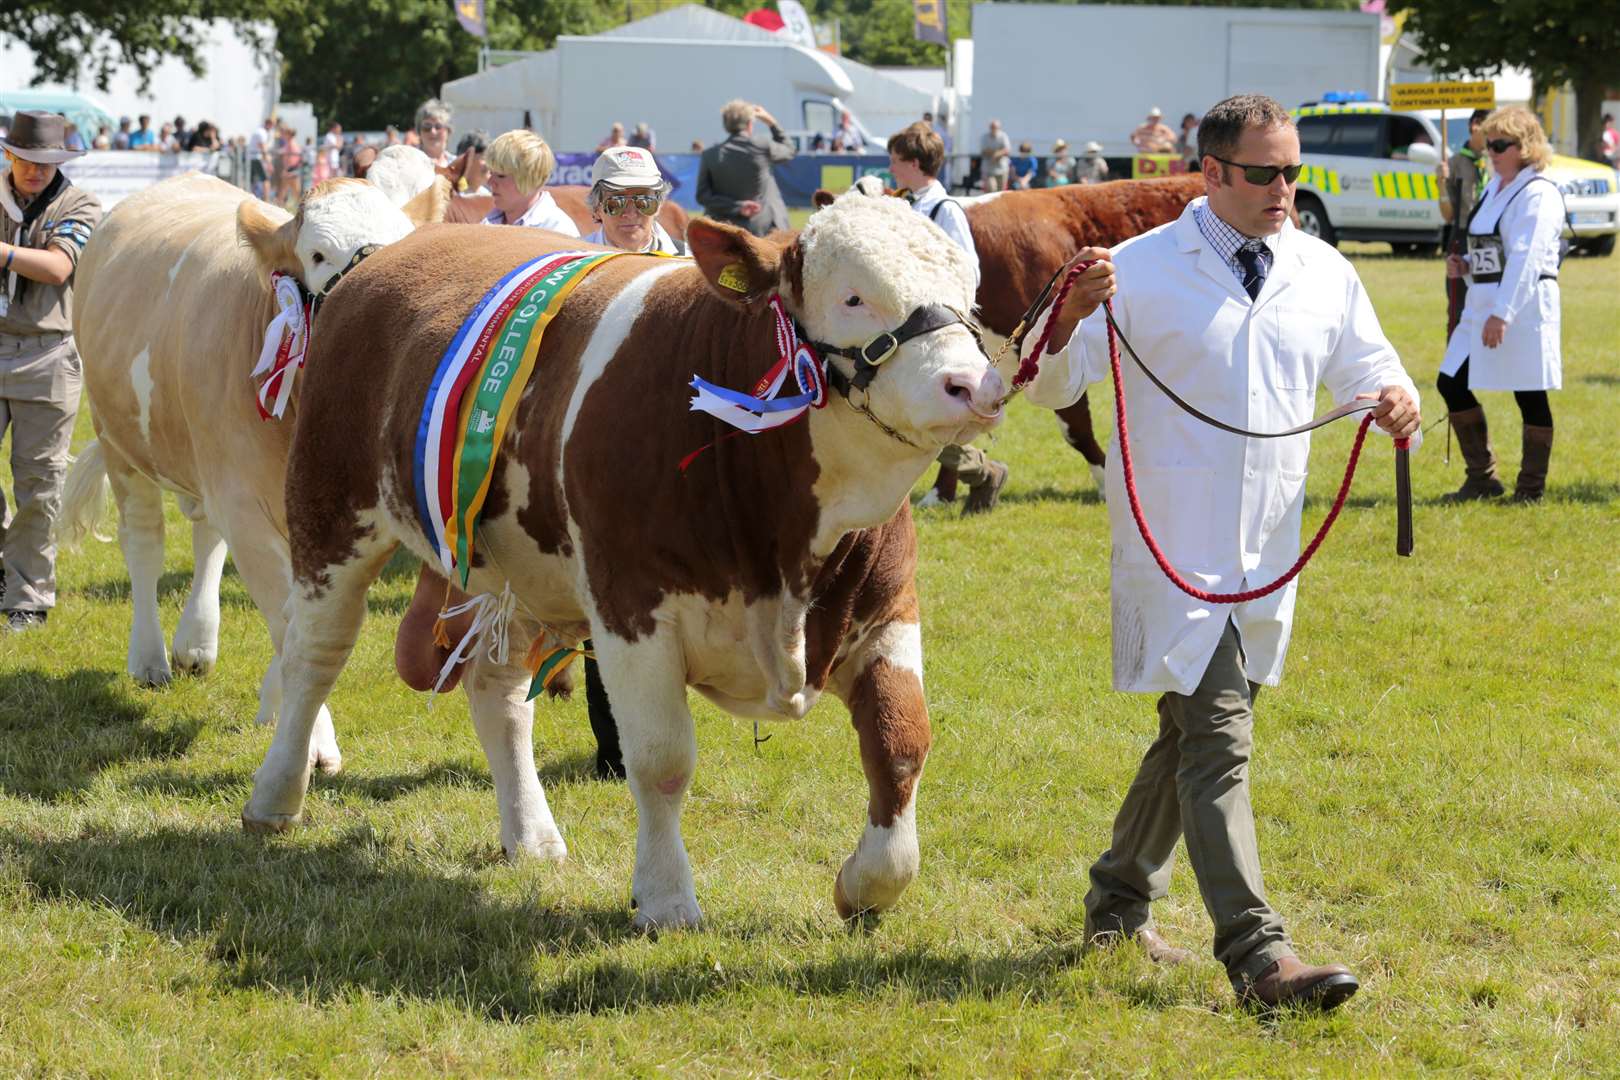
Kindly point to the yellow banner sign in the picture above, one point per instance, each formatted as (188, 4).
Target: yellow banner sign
(1443, 95)
(1146, 165)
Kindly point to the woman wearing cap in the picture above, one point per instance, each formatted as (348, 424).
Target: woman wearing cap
(1508, 336)
(1092, 168)
(627, 191)
(519, 164)
(44, 223)
(1060, 167)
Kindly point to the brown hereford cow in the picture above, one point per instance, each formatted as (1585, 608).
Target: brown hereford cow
(776, 568)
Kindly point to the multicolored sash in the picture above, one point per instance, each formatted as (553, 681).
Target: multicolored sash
(475, 392)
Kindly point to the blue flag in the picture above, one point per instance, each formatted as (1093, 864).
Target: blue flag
(930, 21)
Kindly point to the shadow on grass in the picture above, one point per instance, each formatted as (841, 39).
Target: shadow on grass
(1602, 378)
(1088, 496)
(402, 566)
(59, 731)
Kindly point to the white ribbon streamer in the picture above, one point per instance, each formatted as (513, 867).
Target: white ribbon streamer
(292, 324)
(490, 628)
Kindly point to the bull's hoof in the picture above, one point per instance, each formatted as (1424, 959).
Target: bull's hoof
(269, 824)
(551, 850)
(152, 675)
(680, 915)
(328, 764)
(195, 661)
(846, 910)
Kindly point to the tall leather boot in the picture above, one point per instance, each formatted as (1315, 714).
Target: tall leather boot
(1474, 440)
(1533, 464)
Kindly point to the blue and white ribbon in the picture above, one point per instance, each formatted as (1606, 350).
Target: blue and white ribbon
(763, 410)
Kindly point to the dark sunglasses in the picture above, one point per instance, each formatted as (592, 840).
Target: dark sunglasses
(1261, 175)
(613, 205)
(1501, 146)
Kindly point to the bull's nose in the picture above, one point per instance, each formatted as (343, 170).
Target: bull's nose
(981, 391)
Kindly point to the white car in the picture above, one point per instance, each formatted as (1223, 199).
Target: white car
(1370, 175)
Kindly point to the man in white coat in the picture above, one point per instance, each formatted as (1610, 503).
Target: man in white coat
(1244, 316)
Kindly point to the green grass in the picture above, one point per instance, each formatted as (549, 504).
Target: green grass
(1434, 784)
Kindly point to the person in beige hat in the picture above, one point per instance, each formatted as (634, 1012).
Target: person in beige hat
(1060, 166)
(627, 191)
(1092, 169)
(44, 223)
(1153, 135)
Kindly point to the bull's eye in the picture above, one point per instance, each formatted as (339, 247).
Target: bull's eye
(853, 301)
(317, 258)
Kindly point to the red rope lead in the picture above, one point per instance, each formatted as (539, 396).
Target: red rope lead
(1032, 362)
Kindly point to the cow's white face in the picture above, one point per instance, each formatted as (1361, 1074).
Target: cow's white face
(868, 263)
(402, 172)
(334, 224)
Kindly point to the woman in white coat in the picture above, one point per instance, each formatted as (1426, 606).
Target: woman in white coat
(1507, 338)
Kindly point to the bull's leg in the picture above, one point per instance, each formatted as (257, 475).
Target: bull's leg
(262, 563)
(196, 639)
(140, 535)
(504, 721)
(324, 617)
(1075, 422)
(885, 698)
(646, 681)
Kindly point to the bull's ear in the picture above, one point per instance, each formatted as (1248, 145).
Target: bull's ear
(273, 240)
(428, 207)
(740, 266)
(822, 198)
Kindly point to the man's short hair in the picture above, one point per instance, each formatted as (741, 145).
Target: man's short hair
(921, 144)
(434, 109)
(524, 156)
(1478, 116)
(1222, 127)
(736, 116)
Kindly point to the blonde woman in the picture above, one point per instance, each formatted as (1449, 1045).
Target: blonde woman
(1508, 336)
(519, 164)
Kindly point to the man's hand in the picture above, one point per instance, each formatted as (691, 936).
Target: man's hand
(1443, 170)
(1495, 330)
(1091, 288)
(1456, 266)
(748, 207)
(763, 114)
(1397, 413)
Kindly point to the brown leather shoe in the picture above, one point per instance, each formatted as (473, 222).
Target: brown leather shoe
(1288, 982)
(1157, 949)
(983, 496)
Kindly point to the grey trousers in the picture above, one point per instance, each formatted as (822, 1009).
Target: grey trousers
(39, 398)
(1194, 780)
(971, 463)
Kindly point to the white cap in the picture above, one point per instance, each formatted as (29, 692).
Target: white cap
(1156, 111)
(626, 167)
(1093, 147)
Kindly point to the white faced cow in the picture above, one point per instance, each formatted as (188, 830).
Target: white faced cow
(170, 315)
(777, 567)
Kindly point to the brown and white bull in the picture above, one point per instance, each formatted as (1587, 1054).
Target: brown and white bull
(171, 308)
(776, 568)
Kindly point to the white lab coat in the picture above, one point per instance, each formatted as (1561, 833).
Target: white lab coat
(952, 218)
(1226, 510)
(1529, 357)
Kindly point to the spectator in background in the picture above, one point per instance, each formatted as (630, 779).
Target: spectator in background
(332, 151)
(120, 141)
(734, 183)
(391, 136)
(73, 140)
(615, 137)
(1152, 136)
(1611, 141)
(1025, 167)
(818, 143)
(166, 142)
(644, 138)
(1060, 168)
(143, 137)
(103, 139)
(1187, 141)
(472, 177)
(433, 128)
(845, 140)
(261, 148)
(306, 164)
(995, 153)
(1092, 169)
(289, 164)
(205, 139)
(519, 164)
(182, 133)
(697, 146)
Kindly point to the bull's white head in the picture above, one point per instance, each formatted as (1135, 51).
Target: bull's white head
(403, 172)
(859, 270)
(335, 220)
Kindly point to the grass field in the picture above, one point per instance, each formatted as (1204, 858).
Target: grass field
(1435, 784)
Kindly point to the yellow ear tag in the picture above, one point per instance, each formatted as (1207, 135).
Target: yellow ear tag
(735, 278)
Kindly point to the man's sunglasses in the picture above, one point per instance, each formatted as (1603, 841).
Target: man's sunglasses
(1261, 175)
(1501, 146)
(613, 205)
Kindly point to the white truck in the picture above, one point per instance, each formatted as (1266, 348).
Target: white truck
(1090, 71)
(573, 93)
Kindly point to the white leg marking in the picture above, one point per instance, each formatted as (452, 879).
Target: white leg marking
(1099, 476)
(140, 535)
(505, 725)
(884, 862)
(647, 684)
(196, 639)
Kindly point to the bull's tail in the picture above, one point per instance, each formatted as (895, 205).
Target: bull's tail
(85, 498)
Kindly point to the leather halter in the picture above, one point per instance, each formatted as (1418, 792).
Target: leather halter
(363, 252)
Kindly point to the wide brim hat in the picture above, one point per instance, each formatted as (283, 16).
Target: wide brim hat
(1093, 148)
(1059, 145)
(1156, 112)
(626, 167)
(39, 137)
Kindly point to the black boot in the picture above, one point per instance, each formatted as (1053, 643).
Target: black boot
(609, 758)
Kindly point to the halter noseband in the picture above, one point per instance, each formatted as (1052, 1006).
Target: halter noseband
(922, 320)
(363, 252)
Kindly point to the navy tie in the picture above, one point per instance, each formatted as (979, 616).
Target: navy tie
(1255, 258)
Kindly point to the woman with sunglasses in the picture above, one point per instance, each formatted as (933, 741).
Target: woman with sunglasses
(1508, 336)
(627, 191)
(519, 164)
